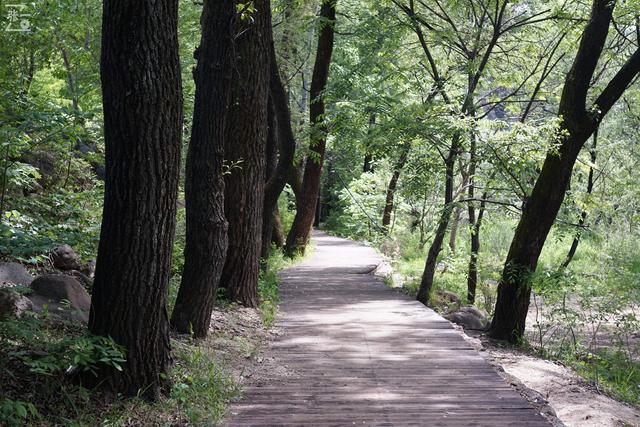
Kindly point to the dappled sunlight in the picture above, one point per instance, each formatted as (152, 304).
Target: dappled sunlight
(358, 352)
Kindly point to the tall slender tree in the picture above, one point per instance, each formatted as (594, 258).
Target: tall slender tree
(206, 226)
(245, 147)
(142, 101)
(307, 198)
(393, 184)
(578, 122)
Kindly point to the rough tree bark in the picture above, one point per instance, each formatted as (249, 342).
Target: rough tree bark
(280, 150)
(542, 206)
(298, 236)
(142, 101)
(583, 215)
(391, 188)
(245, 145)
(206, 226)
(271, 162)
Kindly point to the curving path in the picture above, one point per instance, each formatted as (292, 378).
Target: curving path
(363, 354)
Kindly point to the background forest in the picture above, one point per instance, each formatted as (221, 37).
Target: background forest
(439, 119)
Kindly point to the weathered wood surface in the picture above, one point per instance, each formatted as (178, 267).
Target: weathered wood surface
(359, 353)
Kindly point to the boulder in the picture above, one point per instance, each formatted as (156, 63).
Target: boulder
(84, 280)
(468, 318)
(89, 269)
(12, 304)
(65, 258)
(449, 297)
(59, 287)
(14, 273)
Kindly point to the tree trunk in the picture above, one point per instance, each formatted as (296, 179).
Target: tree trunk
(368, 157)
(453, 233)
(474, 226)
(277, 235)
(206, 226)
(298, 236)
(583, 215)
(424, 292)
(281, 147)
(538, 216)
(391, 188)
(271, 160)
(71, 82)
(245, 145)
(368, 163)
(542, 206)
(142, 101)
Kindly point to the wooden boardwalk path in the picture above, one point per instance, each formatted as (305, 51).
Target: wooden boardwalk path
(363, 354)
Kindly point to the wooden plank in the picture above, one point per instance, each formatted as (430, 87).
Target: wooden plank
(359, 353)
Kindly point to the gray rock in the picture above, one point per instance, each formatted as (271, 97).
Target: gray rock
(89, 269)
(12, 304)
(449, 297)
(14, 273)
(65, 258)
(468, 318)
(84, 280)
(59, 287)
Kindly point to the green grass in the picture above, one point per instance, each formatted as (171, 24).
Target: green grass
(602, 280)
(612, 371)
(35, 353)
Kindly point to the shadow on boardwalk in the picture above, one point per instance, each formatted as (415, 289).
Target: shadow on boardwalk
(362, 354)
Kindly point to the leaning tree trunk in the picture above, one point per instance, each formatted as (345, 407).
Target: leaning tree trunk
(391, 188)
(542, 206)
(424, 292)
(271, 161)
(298, 236)
(583, 215)
(538, 216)
(281, 146)
(206, 226)
(245, 145)
(142, 103)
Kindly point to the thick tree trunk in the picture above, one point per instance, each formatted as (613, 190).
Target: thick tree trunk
(245, 145)
(538, 216)
(542, 206)
(583, 215)
(298, 236)
(142, 101)
(426, 284)
(206, 226)
(391, 188)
